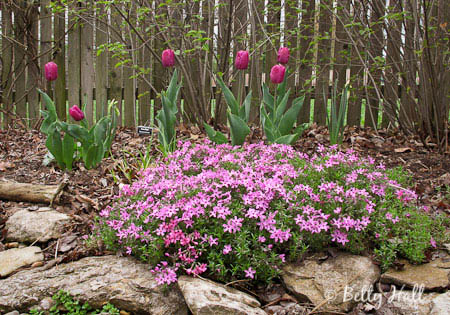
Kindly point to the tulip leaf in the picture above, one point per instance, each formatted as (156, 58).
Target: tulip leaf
(267, 124)
(229, 97)
(287, 139)
(281, 106)
(214, 135)
(54, 145)
(244, 111)
(268, 100)
(238, 129)
(290, 117)
(68, 149)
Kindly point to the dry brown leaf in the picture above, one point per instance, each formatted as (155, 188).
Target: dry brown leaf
(402, 150)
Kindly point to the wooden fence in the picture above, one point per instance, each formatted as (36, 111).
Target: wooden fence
(102, 57)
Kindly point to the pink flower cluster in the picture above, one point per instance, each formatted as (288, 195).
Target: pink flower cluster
(202, 197)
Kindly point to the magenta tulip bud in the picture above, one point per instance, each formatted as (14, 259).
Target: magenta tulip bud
(241, 61)
(76, 113)
(168, 58)
(277, 74)
(51, 71)
(283, 55)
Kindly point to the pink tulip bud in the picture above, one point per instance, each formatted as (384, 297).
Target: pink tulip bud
(277, 74)
(51, 71)
(283, 55)
(168, 58)
(76, 113)
(241, 61)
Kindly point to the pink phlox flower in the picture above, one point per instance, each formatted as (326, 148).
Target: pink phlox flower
(279, 235)
(433, 242)
(250, 273)
(339, 237)
(227, 249)
(233, 225)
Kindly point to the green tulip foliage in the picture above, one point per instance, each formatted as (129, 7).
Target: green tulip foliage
(166, 116)
(237, 115)
(94, 142)
(277, 122)
(337, 118)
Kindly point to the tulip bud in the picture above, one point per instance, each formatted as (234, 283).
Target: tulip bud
(283, 55)
(168, 58)
(241, 61)
(277, 74)
(51, 71)
(76, 113)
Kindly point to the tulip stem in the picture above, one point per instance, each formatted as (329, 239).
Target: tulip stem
(240, 88)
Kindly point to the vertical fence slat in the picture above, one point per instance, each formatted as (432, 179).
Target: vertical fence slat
(208, 27)
(256, 62)
(144, 91)
(115, 74)
(19, 59)
(291, 41)
(7, 64)
(376, 50)
(33, 64)
(409, 85)
(239, 43)
(306, 58)
(393, 32)
(45, 41)
(87, 62)
(74, 59)
(129, 109)
(341, 47)
(356, 72)
(273, 30)
(158, 70)
(323, 63)
(60, 59)
(101, 63)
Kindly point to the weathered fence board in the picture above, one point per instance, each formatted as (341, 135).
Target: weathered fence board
(7, 65)
(60, 59)
(306, 54)
(321, 43)
(101, 63)
(87, 61)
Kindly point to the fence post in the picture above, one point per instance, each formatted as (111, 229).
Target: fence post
(129, 89)
(33, 77)
(60, 59)
(74, 58)
(7, 64)
(87, 61)
(306, 55)
(323, 62)
(101, 63)
(46, 43)
(19, 60)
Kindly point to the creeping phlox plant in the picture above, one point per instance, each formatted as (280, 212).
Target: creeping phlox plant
(240, 212)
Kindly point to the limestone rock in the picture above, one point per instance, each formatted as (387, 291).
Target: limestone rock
(432, 275)
(344, 274)
(206, 297)
(29, 226)
(124, 282)
(14, 258)
(441, 304)
(403, 302)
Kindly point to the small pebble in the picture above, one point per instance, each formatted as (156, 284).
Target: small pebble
(13, 313)
(12, 245)
(37, 264)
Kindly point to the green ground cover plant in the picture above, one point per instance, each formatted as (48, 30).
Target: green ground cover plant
(241, 212)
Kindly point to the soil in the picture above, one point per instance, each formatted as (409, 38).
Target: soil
(88, 191)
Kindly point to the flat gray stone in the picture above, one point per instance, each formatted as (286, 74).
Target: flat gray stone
(42, 225)
(441, 304)
(328, 283)
(122, 281)
(206, 297)
(432, 275)
(15, 258)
